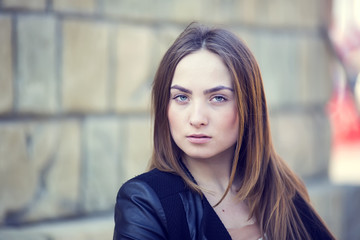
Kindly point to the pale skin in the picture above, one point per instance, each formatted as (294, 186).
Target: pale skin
(204, 123)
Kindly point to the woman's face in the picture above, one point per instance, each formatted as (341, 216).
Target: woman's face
(202, 111)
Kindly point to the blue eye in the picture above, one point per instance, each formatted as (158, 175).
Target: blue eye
(181, 98)
(218, 99)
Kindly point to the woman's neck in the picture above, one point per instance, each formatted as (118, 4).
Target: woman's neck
(211, 174)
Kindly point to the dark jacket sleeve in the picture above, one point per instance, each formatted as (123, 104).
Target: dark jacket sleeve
(139, 213)
(313, 224)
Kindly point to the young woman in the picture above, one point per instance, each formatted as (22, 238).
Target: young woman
(214, 173)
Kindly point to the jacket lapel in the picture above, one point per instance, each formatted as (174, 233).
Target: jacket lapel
(214, 229)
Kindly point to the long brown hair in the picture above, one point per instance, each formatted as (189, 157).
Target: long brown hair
(267, 184)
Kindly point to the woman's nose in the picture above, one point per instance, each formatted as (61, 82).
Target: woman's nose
(198, 115)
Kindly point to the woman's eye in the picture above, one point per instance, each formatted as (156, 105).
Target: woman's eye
(181, 98)
(218, 99)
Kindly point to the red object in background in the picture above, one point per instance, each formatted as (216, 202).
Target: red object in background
(344, 118)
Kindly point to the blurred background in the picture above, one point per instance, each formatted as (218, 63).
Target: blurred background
(75, 79)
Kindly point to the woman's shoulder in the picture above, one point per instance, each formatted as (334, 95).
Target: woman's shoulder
(163, 183)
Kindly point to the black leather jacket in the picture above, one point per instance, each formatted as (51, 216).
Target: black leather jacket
(158, 205)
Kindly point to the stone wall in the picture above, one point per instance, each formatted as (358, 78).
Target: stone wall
(75, 80)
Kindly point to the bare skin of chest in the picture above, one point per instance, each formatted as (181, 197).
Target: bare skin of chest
(234, 214)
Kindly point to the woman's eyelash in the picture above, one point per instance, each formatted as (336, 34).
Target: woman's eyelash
(219, 98)
(180, 97)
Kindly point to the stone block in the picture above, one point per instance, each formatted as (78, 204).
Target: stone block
(295, 68)
(24, 4)
(47, 157)
(303, 141)
(244, 11)
(82, 6)
(36, 70)
(310, 14)
(338, 205)
(98, 228)
(278, 13)
(101, 177)
(136, 48)
(295, 13)
(278, 57)
(187, 11)
(6, 66)
(316, 80)
(135, 9)
(12, 234)
(17, 178)
(56, 148)
(138, 148)
(85, 66)
(216, 11)
(182, 11)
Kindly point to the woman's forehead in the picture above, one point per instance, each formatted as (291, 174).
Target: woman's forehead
(202, 66)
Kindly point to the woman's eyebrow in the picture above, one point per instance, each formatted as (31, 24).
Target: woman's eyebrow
(181, 89)
(218, 88)
(207, 91)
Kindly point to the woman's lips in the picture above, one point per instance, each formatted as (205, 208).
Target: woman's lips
(198, 138)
